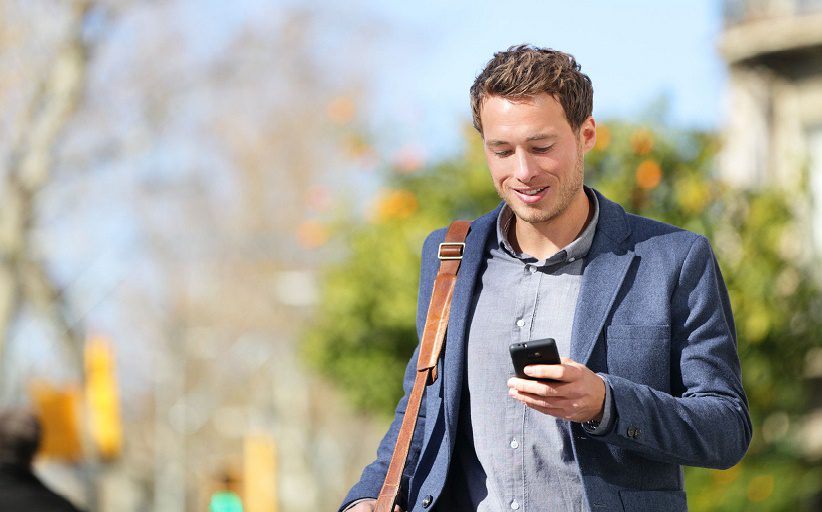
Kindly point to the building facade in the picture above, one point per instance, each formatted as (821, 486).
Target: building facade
(773, 130)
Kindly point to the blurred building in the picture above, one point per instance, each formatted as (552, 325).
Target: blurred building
(773, 132)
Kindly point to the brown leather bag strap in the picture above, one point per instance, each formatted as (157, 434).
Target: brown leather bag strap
(433, 335)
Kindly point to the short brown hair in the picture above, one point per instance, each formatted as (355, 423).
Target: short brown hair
(525, 71)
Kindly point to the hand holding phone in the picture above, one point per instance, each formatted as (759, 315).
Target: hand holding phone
(542, 351)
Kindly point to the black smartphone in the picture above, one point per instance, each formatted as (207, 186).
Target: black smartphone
(542, 351)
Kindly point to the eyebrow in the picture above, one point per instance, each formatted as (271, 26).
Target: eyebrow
(539, 136)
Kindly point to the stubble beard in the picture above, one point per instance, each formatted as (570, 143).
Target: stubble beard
(541, 212)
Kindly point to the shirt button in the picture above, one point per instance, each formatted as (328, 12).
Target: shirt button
(531, 268)
(571, 259)
(515, 505)
(520, 322)
(514, 444)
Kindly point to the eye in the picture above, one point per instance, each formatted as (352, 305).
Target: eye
(503, 153)
(542, 149)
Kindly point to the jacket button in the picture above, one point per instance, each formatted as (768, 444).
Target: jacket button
(426, 502)
(633, 432)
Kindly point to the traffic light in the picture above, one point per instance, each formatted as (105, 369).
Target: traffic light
(260, 473)
(225, 501)
(59, 413)
(102, 398)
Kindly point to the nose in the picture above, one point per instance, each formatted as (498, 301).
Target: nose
(526, 167)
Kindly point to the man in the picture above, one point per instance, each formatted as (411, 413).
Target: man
(20, 489)
(650, 378)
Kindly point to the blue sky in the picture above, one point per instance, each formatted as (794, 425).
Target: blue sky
(423, 55)
(635, 52)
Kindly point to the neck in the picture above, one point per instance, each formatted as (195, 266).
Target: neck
(544, 239)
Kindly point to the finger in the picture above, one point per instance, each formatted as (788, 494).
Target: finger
(560, 372)
(533, 386)
(568, 370)
(561, 407)
(563, 410)
(537, 400)
(543, 405)
(543, 387)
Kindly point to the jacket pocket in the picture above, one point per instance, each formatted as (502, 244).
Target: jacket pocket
(669, 501)
(640, 353)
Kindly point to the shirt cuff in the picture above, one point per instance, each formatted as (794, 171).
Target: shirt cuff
(607, 420)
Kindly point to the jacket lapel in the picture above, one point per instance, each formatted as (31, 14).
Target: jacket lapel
(607, 264)
(456, 339)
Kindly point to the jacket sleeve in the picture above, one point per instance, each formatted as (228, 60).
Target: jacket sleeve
(374, 474)
(704, 421)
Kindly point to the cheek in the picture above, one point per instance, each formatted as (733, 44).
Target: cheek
(557, 163)
(498, 173)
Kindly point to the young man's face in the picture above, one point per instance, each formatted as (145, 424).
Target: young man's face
(535, 158)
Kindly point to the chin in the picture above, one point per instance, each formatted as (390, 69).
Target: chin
(533, 214)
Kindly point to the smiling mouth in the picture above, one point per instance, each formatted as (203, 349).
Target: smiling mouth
(530, 191)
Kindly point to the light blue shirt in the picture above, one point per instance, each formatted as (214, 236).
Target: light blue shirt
(508, 456)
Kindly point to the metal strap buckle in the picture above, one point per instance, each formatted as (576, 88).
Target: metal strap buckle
(449, 247)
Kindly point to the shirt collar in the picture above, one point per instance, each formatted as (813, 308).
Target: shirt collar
(575, 250)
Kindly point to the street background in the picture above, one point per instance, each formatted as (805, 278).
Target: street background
(212, 214)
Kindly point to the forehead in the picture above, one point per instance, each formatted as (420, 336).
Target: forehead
(504, 118)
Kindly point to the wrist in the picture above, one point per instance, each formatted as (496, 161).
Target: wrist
(603, 421)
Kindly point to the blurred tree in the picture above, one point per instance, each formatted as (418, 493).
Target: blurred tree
(366, 332)
(161, 175)
(33, 122)
(223, 221)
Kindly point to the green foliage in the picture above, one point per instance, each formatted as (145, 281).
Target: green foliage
(775, 300)
(366, 330)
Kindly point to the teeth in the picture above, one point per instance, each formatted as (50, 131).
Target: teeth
(532, 191)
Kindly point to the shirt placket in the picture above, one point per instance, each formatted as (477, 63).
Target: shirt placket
(526, 297)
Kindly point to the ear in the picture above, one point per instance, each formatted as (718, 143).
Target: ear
(588, 134)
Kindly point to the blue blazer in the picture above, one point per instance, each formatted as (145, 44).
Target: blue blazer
(653, 317)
